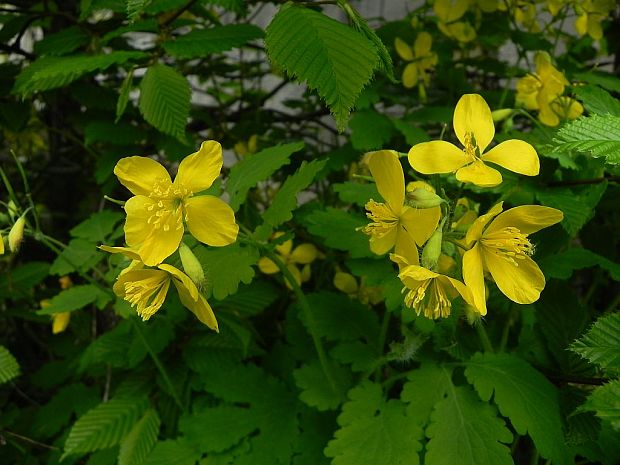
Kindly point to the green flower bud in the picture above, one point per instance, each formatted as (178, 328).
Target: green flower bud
(192, 266)
(432, 250)
(16, 234)
(501, 114)
(422, 198)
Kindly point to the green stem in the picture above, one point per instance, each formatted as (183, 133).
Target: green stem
(506, 331)
(27, 191)
(158, 364)
(484, 337)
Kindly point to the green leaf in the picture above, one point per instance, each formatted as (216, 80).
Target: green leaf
(605, 401)
(316, 389)
(601, 344)
(597, 135)
(605, 80)
(370, 130)
(332, 58)
(135, 447)
(426, 386)
(285, 200)
(339, 230)
(257, 167)
(202, 42)
(123, 96)
(98, 226)
(466, 431)
(226, 267)
(104, 426)
(413, 134)
(122, 134)
(21, 280)
(9, 368)
(135, 8)
(165, 100)
(354, 192)
(52, 72)
(577, 204)
(80, 255)
(74, 298)
(597, 101)
(562, 265)
(525, 396)
(251, 299)
(374, 432)
(173, 452)
(360, 355)
(65, 41)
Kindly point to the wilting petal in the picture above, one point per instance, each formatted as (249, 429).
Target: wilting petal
(383, 244)
(142, 175)
(420, 223)
(527, 218)
(473, 275)
(403, 50)
(475, 230)
(152, 228)
(267, 266)
(522, 282)
(304, 254)
(515, 155)
(410, 75)
(387, 171)
(198, 170)
(182, 279)
(437, 157)
(345, 282)
(199, 306)
(479, 174)
(473, 115)
(210, 220)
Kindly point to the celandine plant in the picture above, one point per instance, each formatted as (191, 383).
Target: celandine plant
(233, 233)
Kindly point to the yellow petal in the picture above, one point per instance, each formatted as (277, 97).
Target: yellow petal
(472, 115)
(1, 244)
(285, 247)
(410, 75)
(527, 218)
(210, 220)
(304, 254)
(521, 282)
(436, 157)
(383, 244)
(387, 171)
(153, 228)
(450, 10)
(462, 31)
(515, 155)
(595, 30)
(454, 286)
(128, 252)
(198, 170)
(403, 50)
(581, 25)
(479, 174)
(306, 272)
(547, 116)
(144, 289)
(422, 45)
(420, 223)
(475, 230)
(60, 321)
(416, 273)
(405, 246)
(267, 266)
(199, 306)
(345, 282)
(473, 275)
(182, 279)
(527, 91)
(142, 175)
(296, 274)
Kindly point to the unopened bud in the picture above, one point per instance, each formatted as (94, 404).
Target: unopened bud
(1, 244)
(192, 266)
(422, 198)
(16, 234)
(60, 321)
(432, 250)
(501, 114)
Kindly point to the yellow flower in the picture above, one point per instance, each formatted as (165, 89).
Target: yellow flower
(421, 57)
(449, 12)
(60, 321)
(155, 215)
(460, 30)
(347, 283)
(591, 14)
(146, 288)
(473, 125)
(499, 244)
(303, 254)
(525, 14)
(394, 224)
(16, 234)
(247, 148)
(566, 108)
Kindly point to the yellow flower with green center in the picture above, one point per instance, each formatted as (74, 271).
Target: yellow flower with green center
(394, 224)
(303, 254)
(499, 244)
(157, 212)
(421, 57)
(473, 125)
(146, 288)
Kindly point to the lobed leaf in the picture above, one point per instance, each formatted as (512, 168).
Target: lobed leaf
(605, 401)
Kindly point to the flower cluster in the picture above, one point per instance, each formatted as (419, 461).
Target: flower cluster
(494, 245)
(157, 217)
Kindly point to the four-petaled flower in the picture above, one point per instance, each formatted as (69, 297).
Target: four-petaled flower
(473, 125)
(303, 254)
(157, 212)
(499, 244)
(421, 57)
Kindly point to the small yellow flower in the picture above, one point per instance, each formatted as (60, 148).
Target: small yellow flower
(499, 244)
(347, 283)
(157, 212)
(591, 14)
(65, 282)
(303, 254)
(421, 57)
(526, 15)
(394, 224)
(146, 288)
(473, 125)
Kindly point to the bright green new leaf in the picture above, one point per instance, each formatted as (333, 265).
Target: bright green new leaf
(332, 58)
(601, 344)
(9, 368)
(597, 135)
(137, 445)
(201, 42)
(165, 100)
(525, 396)
(605, 401)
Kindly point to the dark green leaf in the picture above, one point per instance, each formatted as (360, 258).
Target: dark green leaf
(202, 42)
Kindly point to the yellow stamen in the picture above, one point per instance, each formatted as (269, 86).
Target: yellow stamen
(383, 219)
(147, 295)
(509, 243)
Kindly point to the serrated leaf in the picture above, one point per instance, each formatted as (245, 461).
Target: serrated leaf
(122, 134)
(173, 452)
(74, 298)
(466, 431)
(332, 58)
(426, 386)
(374, 432)
(605, 401)
(370, 130)
(52, 72)
(597, 135)
(65, 41)
(226, 267)
(202, 42)
(135, 8)
(165, 100)
(98, 226)
(601, 344)
(251, 299)
(9, 368)
(317, 390)
(104, 426)
(525, 396)
(285, 200)
(339, 230)
(597, 101)
(354, 192)
(257, 167)
(600, 78)
(137, 445)
(562, 265)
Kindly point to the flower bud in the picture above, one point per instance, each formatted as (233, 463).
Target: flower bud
(192, 266)
(422, 198)
(501, 114)
(16, 234)
(60, 321)
(1, 245)
(432, 250)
